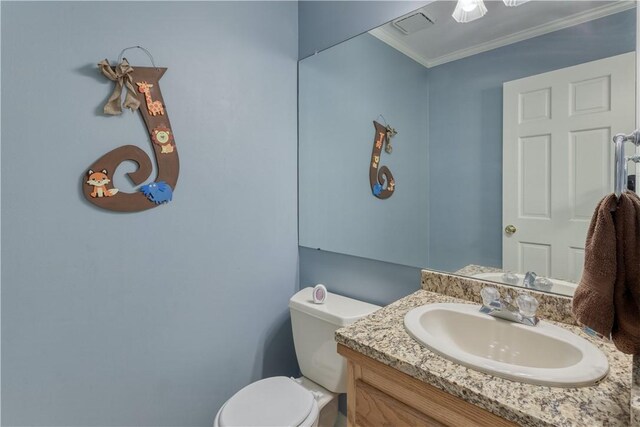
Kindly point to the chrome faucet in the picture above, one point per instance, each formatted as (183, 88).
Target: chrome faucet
(494, 305)
(529, 279)
(533, 281)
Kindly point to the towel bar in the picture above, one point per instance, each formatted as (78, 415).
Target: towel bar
(620, 175)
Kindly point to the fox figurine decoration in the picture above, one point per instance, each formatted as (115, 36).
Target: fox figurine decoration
(99, 181)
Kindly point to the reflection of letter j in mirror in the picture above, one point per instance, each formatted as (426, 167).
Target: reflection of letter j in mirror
(381, 175)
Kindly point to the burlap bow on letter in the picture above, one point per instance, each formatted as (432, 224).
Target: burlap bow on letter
(122, 76)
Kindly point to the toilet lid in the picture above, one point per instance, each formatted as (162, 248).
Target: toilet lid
(275, 401)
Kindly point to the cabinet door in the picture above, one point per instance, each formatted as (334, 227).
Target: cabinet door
(379, 395)
(375, 408)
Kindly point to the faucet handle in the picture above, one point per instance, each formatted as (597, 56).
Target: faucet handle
(543, 284)
(527, 305)
(510, 278)
(489, 295)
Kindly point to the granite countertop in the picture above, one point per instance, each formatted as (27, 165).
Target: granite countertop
(382, 337)
(472, 269)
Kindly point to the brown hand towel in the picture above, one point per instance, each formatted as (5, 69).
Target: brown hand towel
(608, 297)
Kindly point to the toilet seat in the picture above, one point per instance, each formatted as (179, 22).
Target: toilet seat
(275, 401)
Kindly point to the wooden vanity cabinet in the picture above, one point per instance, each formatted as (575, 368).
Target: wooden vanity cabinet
(378, 395)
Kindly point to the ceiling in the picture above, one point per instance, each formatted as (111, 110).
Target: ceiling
(446, 40)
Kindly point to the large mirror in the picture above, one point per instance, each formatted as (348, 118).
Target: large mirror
(503, 146)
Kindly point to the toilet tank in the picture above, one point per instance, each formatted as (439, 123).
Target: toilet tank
(313, 335)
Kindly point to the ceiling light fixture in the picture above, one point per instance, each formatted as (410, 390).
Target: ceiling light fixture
(511, 3)
(470, 10)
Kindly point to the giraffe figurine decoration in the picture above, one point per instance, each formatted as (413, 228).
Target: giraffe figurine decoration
(154, 107)
(159, 133)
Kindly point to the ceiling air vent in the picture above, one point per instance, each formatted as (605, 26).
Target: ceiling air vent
(413, 23)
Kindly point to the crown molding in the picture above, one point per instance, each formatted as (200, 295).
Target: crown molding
(559, 24)
(384, 36)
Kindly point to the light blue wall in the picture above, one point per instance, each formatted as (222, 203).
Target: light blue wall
(465, 133)
(323, 24)
(365, 279)
(152, 318)
(341, 92)
(327, 23)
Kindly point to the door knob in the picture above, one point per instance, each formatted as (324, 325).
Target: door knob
(510, 229)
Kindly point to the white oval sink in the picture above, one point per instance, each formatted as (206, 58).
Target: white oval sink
(544, 354)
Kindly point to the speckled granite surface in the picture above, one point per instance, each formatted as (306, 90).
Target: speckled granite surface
(635, 392)
(472, 269)
(382, 337)
(552, 306)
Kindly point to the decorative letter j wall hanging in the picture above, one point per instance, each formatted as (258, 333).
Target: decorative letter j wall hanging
(142, 93)
(379, 175)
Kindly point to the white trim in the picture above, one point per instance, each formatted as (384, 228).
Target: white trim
(559, 24)
(385, 37)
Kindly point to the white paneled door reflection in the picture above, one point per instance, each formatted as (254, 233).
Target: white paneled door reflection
(558, 160)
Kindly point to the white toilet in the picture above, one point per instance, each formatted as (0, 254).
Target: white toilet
(312, 399)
